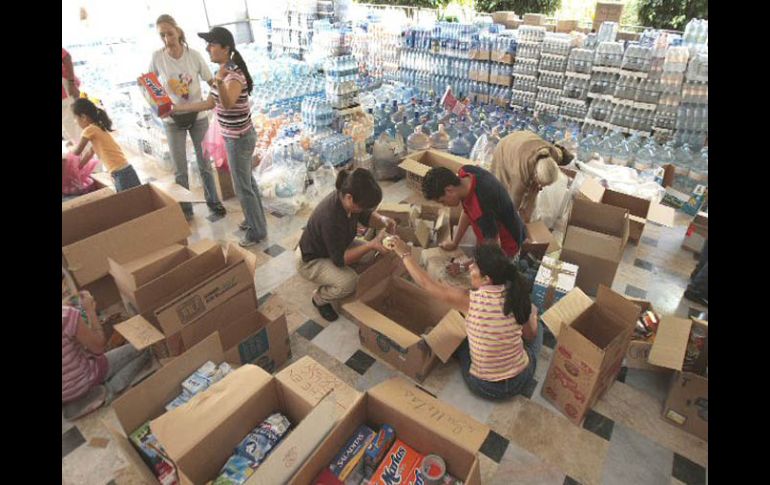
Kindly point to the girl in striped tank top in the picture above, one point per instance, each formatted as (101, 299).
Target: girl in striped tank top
(504, 337)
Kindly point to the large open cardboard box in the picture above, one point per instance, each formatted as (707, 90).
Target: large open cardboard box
(697, 233)
(123, 226)
(639, 350)
(399, 323)
(540, 241)
(87, 198)
(640, 210)
(420, 420)
(687, 403)
(595, 239)
(592, 340)
(418, 164)
(201, 435)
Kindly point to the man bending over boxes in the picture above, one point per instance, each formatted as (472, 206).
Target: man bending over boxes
(487, 207)
(504, 336)
(327, 248)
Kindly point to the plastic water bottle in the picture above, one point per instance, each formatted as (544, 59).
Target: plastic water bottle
(439, 140)
(418, 140)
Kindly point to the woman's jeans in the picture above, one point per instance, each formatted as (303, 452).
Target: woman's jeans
(239, 155)
(177, 142)
(125, 178)
(509, 387)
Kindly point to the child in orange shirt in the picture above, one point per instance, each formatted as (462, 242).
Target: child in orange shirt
(96, 130)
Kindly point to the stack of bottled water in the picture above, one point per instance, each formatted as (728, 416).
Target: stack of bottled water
(696, 33)
(334, 148)
(553, 64)
(530, 40)
(671, 79)
(341, 77)
(637, 58)
(317, 113)
(292, 26)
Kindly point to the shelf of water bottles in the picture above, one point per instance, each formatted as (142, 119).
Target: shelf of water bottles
(283, 93)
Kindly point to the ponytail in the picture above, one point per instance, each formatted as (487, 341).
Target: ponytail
(84, 106)
(238, 60)
(493, 262)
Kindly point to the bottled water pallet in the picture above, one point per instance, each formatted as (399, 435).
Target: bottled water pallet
(546, 71)
(578, 75)
(573, 119)
(636, 74)
(634, 104)
(604, 97)
(609, 70)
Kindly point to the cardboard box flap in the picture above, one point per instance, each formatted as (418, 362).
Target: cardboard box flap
(661, 214)
(141, 270)
(615, 303)
(447, 335)
(130, 453)
(592, 189)
(382, 324)
(180, 429)
(670, 345)
(177, 192)
(299, 445)
(603, 218)
(200, 247)
(422, 232)
(445, 420)
(566, 310)
(235, 253)
(414, 167)
(391, 207)
(380, 270)
(146, 401)
(312, 381)
(140, 333)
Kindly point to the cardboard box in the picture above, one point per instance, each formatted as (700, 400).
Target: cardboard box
(553, 281)
(607, 12)
(566, 26)
(687, 403)
(399, 322)
(417, 165)
(640, 210)
(104, 291)
(534, 19)
(639, 350)
(540, 241)
(225, 184)
(696, 201)
(123, 226)
(419, 419)
(87, 198)
(595, 240)
(592, 339)
(165, 274)
(697, 233)
(201, 435)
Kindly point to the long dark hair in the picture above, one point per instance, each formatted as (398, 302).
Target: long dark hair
(493, 262)
(238, 60)
(83, 106)
(360, 183)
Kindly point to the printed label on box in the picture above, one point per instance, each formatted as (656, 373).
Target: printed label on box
(253, 347)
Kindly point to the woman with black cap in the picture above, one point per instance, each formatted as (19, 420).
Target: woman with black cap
(229, 99)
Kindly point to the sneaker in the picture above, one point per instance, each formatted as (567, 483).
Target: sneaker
(218, 210)
(90, 402)
(326, 310)
(696, 296)
(243, 226)
(247, 243)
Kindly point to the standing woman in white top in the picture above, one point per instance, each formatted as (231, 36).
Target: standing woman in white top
(180, 70)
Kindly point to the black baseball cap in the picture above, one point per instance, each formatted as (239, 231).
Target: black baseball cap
(218, 35)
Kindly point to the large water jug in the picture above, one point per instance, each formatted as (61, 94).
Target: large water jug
(417, 140)
(623, 154)
(459, 146)
(385, 154)
(682, 166)
(646, 156)
(439, 140)
(605, 148)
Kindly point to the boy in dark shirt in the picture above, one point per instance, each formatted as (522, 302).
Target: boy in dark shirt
(326, 248)
(487, 207)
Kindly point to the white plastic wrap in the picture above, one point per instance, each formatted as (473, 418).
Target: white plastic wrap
(552, 201)
(623, 179)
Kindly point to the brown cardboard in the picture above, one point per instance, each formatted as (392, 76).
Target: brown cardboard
(104, 291)
(225, 184)
(566, 26)
(87, 198)
(540, 241)
(123, 226)
(398, 212)
(589, 350)
(641, 210)
(201, 435)
(420, 420)
(394, 317)
(418, 164)
(533, 19)
(595, 239)
(144, 269)
(193, 304)
(639, 350)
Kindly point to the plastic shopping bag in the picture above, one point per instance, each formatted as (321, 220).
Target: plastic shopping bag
(77, 180)
(214, 146)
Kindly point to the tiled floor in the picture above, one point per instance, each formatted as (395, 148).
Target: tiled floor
(623, 440)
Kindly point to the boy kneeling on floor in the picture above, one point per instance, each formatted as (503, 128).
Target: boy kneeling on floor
(327, 249)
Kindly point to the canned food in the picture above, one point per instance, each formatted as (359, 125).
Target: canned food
(433, 469)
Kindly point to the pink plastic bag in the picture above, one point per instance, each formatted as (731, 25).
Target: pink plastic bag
(76, 180)
(214, 146)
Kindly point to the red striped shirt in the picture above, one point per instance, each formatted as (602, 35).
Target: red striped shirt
(235, 121)
(496, 346)
(80, 370)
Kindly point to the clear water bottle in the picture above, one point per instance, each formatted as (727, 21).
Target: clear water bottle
(682, 166)
(646, 157)
(418, 140)
(439, 140)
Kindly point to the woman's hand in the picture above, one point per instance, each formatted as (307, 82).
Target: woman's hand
(448, 245)
(400, 247)
(376, 243)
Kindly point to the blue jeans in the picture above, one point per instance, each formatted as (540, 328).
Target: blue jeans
(509, 387)
(239, 154)
(177, 142)
(125, 178)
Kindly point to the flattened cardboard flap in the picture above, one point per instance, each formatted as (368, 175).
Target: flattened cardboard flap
(422, 232)
(380, 323)
(444, 419)
(414, 167)
(140, 333)
(180, 429)
(447, 335)
(566, 310)
(661, 214)
(670, 343)
(592, 189)
(619, 305)
(312, 382)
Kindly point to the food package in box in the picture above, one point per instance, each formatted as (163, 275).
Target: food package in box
(350, 457)
(153, 455)
(155, 94)
(397, 464)
(554, 279)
